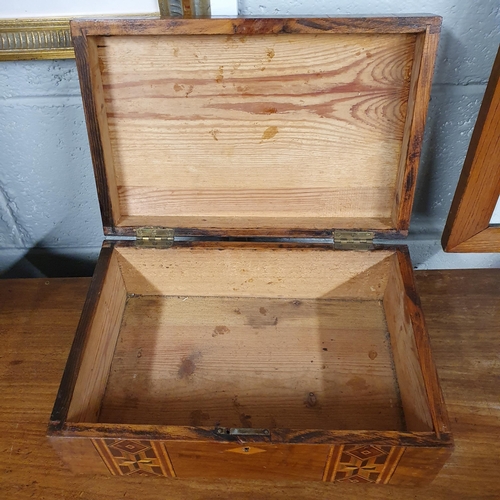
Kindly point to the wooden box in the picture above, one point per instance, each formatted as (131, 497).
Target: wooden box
(280, 352)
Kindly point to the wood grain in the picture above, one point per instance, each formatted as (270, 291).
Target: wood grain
(290, 101)
(468, 226)
(270, 107)
(404, 348)
(259, 26)
(462, 322)
(99, 347)
(420, 92)
(290, 462)
(253, 362)
(97, 128)
(248, 271)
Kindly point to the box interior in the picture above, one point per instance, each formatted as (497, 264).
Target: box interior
(296, 338)
(251, 131)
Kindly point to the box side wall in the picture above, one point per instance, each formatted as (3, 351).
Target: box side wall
(100, 344)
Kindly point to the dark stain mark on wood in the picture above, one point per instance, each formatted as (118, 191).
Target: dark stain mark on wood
(16, 362)
(311, 400)
(245, 420)
(270, 111)
(220, 330)
(198, 417)
(372, 354)
(237, 311)
(187, 366)
(325, 349)
(275, 321)
(263, 311)
(270, 54)
(178, 87)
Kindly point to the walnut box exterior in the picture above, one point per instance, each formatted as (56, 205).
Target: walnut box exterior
(243, 354)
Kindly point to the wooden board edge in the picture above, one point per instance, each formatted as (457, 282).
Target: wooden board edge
(83, 61)
(435, 397)
(79, 455)
(261, 26)
(418, 103)
(68, 381)
(487, 240)
(276, 436)
(478, 187)
(419, 467)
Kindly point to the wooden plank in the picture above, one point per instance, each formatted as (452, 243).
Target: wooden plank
(290, 101)
(97, 126)
(406, 356)
(75, 358)
(100, 341)
(468, 226)
(38, 321)
(79, 455)
(303, 462)
(301, 364)
(254, 272)
(255, 26)
(420, 92)
(419, 467)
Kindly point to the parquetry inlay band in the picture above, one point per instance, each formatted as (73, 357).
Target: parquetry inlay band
(127, 457)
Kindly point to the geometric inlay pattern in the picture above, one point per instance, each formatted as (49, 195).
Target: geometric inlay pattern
(126, 457)
(362, 463)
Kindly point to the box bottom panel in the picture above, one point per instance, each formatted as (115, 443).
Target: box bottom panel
(253, 362)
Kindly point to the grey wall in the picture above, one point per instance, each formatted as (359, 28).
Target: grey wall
(49, 218)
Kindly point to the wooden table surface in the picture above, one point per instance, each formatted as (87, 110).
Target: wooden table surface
(37, 322)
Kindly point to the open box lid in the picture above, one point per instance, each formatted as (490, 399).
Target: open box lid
(270, 127)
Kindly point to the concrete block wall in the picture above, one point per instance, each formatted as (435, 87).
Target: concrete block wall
(49, 216)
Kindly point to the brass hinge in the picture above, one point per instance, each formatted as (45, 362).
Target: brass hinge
(352, 240)
(157, 237)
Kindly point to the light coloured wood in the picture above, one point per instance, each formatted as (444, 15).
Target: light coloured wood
(406, 357)
(38, 321)
(202, 128)
(263, 460)
(104, 329)
(253, 362)
(79, 455)
(468, 226)
(102, 124)
(269, 224)
(251, 272)
(420, 90)
(419, 466)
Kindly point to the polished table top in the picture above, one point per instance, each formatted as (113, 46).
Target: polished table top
(38, 318)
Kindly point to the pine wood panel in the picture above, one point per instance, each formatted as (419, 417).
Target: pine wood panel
(253, 362)
(404, 349)
(468, 226)
(239, 127)
(420, 90)
(252, 272)
(100, 340)
(37, 324)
